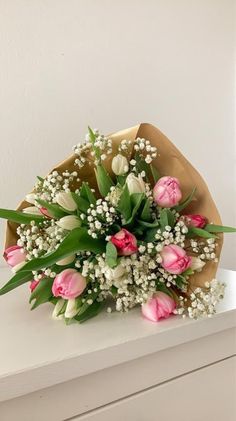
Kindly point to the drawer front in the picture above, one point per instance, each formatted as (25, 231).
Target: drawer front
(205, 394)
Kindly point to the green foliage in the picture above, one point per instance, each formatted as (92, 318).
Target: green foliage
(218, 228)
(124, 205)
(91, 311)
(18, 279)
(167, 218)
(146, 212)
(136, 201)
(193, 231)
(87, 194)
(186, 202)
(111, 255)
(42, 293)
(155, 173)
(81, 203)
(20, 217)
(104, 180)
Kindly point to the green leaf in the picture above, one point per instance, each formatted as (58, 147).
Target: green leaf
(77, 240)
(167, 218)
(136, 200)
(150, 235)
(42, 293)
(104, 181)
(40, 178)
(188, 272)
(111, 255)
(124, 205)
(20, 217)
(163, 288)
(18, 279)
(146, 212)
(219, 228)
(154, 224)
(155, 173)
(121, 179)
(54, 210)
(81, 203)
(92, 311)
(87, 194)
(185, 203)
(193, 231)
(181, 282)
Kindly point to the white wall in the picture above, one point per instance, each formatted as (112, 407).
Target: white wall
(111, 64)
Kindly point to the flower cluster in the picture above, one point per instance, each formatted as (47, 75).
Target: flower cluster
(130, 242)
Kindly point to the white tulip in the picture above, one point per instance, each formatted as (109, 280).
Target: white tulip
(57, 309)
(30, 198)
(71, 309)
(66, 201)
(197, 264)
(135, 184)
(69, 222)
(66, 261)
(119, 165)
(33, 210)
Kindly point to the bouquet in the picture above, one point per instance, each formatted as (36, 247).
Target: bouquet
(125, 221)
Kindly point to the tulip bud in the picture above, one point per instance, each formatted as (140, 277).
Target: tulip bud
(66, 201)
(167, 192)
(71, 309)
(33, 210)
(69, 222)
(160, 306)
(197, 264)
(120, 165)
(135, 184)
(66, 261)
(57, 309)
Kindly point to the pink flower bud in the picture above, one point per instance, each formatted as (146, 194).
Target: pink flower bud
(125, 242)
(33, 284)
(44, 212)
(197, 221)
(68, 284)
(175, 259)
(167, 192)
(158, 307)
(14, 255)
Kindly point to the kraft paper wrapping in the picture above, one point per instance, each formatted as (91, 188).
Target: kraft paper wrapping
(169, 162)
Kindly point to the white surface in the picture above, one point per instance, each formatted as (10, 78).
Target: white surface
(37, 352)
(120, 381)
(111, 64)
(196, 396)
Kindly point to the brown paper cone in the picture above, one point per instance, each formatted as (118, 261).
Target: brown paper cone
(169, 162)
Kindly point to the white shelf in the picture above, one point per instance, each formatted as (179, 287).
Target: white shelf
(37, 352)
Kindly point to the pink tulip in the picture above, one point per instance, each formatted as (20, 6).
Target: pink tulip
(125, 242)
(158, 307)
(175, 259)
(167, 192)
(197, 221)
(33, 284)
(68, 284)
(14, 255)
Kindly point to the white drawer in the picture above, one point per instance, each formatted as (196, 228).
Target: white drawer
(206, 394)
